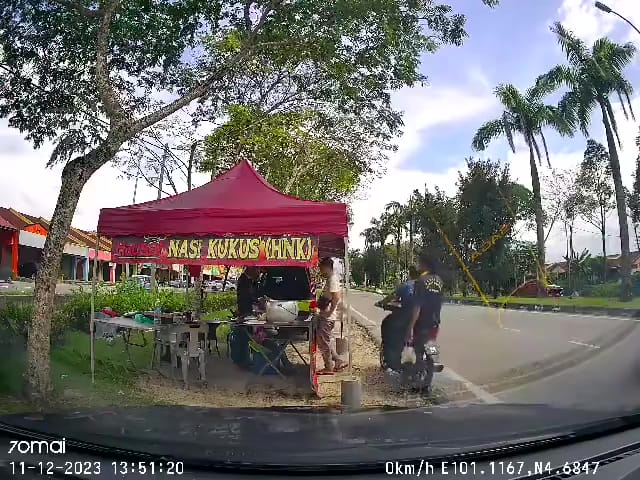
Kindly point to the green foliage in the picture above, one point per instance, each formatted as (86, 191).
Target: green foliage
(606, 290)
(14, 319)
(74, 314)
(49, 60)
(485, 202)
(592, 75)
(596, 192)
(306, 153)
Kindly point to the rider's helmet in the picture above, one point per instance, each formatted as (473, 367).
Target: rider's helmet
(427, 263)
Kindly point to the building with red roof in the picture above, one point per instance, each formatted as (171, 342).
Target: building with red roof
(22, 238)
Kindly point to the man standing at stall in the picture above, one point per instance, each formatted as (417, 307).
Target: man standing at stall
(246, 291)
(328, 306)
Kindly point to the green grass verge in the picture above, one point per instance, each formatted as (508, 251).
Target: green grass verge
(560, 301)
(115, 374)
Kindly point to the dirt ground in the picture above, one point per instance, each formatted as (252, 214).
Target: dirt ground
(229, 386)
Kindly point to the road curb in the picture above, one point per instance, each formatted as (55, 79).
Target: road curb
(369, 328)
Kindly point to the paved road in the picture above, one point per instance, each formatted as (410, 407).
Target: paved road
(27, 288)
(583, 359)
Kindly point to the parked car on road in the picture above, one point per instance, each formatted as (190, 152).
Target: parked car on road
(144, 280)
(530, 289)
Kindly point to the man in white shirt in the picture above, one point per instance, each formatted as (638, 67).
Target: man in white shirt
(328, 305)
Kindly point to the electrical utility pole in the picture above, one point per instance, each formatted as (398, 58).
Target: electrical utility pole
(160, 182)
(135, 191)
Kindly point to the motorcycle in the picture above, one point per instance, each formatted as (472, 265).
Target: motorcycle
(413, 376)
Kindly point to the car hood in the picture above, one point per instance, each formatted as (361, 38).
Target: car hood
(307, 436)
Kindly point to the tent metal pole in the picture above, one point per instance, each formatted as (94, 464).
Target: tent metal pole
(347, 302)
(93, 309)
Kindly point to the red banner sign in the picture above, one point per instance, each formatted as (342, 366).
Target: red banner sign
(263, 251)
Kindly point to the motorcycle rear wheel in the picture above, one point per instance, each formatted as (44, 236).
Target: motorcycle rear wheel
(419, 377)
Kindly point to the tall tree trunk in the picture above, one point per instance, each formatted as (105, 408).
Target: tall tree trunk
(635, 233)
(603, 235)
(537, 202)
(398, 238)
(75, 175)
(192, 154)
(604, 256)
(384, 266)
(411, 240)
(625, 260)
(568, 256)
(572, 250)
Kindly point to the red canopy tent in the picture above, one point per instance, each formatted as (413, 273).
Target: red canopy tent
(238, 202)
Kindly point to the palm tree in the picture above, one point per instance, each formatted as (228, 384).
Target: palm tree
(380, 230)
(395, 213)
(411, 214)
(592, 75)
(526, 115)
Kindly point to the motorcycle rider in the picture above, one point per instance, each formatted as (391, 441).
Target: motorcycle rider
(427, 303)
(393, 327)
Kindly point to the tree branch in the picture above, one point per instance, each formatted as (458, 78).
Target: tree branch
(171, 182)
(247, 15)
(108, 95)
(263, 18)
(146, 179)
(78, 7)
(187, 98)
(202, 89)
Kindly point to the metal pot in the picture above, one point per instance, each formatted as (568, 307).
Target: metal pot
(280, 311)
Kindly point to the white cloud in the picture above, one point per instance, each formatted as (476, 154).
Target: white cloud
(400, 182)
(585, 236)
(589, 23)
(424, 108)
(27, 186)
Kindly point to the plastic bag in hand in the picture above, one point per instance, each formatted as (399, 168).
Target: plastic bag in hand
(408, 354)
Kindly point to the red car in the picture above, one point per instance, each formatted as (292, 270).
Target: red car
(530, 289)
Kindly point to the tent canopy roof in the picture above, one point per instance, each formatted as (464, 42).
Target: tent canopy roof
(237, 202)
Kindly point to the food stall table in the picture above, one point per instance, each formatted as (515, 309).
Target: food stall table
(109, 327)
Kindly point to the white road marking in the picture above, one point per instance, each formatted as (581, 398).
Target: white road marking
(480, 393)
(583, 344)
(511, 329)
(364, 317)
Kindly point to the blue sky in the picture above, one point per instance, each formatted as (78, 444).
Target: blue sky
(509, 44)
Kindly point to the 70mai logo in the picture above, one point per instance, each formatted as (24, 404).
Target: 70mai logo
(38, 446)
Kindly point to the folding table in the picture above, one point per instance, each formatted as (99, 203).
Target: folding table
(109, 327)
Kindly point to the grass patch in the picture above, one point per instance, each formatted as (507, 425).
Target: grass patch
(115, 374)
(560, 301)
(218, 315)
